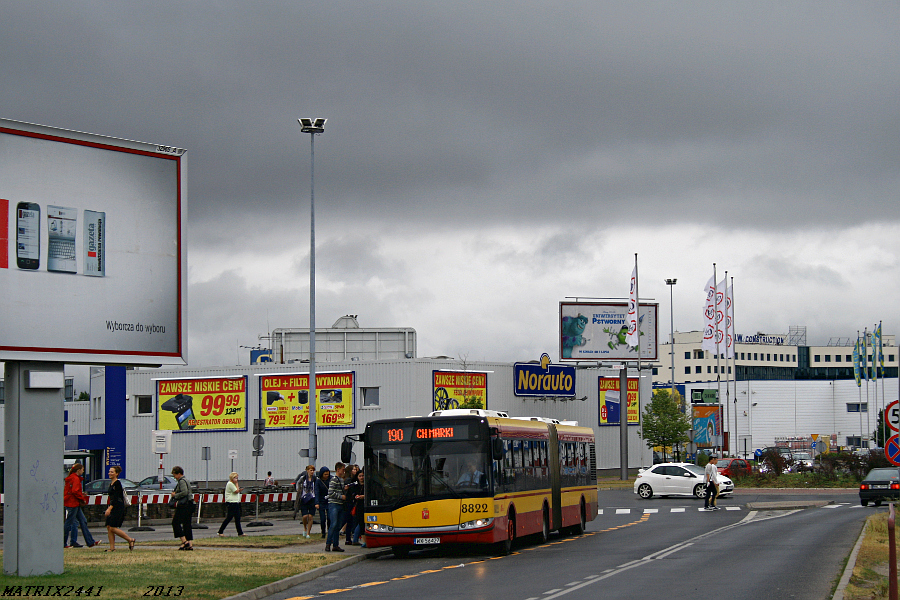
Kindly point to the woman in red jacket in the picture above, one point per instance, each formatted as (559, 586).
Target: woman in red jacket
(73, 499)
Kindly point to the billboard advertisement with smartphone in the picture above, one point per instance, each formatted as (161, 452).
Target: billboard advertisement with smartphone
(210, 403)
(284, 400)
(597, 332)
(94, 260)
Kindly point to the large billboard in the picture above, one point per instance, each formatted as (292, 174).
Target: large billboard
(610, 401)
(284, 400)
(94, 261)
(707, 425)
(596, 332)
(452, 388)
(201, 404)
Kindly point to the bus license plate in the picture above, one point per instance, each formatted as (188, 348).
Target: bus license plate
(418, 541)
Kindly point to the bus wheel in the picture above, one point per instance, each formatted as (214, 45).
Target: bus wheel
(544, 534)
(507, 544)
(578, 529)
(400, 551)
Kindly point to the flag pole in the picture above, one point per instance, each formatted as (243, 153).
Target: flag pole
(637, 297)
(730, 348)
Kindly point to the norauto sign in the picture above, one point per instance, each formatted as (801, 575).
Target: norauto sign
(543, 379)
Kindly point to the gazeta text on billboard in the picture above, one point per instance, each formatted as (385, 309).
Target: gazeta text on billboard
(543, 379)
(203, 404)
(452, 388)
(611, 401)
(284, 399)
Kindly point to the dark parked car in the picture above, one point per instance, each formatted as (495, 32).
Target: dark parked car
(101, 486)
(880, 484)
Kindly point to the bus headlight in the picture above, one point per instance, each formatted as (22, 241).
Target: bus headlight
(476, 524)
(378, 528)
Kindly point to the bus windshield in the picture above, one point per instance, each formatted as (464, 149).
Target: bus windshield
(402, 473)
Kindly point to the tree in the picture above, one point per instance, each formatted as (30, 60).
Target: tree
(879, 434)
(83, 397)
(663, 422)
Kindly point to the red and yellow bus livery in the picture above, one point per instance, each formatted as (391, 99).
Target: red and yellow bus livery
(474, 476)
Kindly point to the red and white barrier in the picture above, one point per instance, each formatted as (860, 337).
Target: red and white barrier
(102, 500)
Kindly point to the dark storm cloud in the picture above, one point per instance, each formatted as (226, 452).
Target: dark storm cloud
(442, 111)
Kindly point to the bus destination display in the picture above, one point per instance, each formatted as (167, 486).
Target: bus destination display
(407, 434)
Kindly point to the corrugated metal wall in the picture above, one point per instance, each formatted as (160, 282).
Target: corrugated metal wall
(405, 388)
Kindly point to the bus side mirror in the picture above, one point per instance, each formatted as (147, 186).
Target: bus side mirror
(497, 448)
(346, 451)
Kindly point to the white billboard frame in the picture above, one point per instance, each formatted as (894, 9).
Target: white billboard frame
(117, 211)
(591, 331)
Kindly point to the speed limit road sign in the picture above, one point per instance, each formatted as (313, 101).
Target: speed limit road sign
(892, 415)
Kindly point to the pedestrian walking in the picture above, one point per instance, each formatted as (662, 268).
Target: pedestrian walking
(359, 511)
(306, 492)
(73, 499)
(184, 508)
(711, 478)
(322, 498)
(115, 512)
(336, 497)
(232, 505)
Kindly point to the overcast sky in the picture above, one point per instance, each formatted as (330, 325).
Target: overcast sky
(484, 161)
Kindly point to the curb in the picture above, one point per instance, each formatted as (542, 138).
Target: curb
(788, 505)
(851, 564)
(264, 591)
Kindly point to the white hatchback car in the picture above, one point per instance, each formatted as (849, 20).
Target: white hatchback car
(676, 479)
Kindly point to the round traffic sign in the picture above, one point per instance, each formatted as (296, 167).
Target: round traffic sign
(892, 450)
(892, 415)
(258, 442)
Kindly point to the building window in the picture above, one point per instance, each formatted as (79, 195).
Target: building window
(687, 370)
(742, 356)
(857, 407)
(837, 358)
(687, 355)
(729, 370)
(708, 369)
(827, 358)
(698, 369)
(143, 405)
(781, 357)
(715, 369)
(817, 358)
(848, 358)
(755, 356)
(698, 353)
(370, 396)
(890, 358)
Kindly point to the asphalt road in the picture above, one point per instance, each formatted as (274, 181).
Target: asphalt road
(661, 548)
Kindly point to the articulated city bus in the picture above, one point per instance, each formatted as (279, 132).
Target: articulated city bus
(475, 476)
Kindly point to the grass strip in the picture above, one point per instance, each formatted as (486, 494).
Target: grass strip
(198, 575)
(870, 574)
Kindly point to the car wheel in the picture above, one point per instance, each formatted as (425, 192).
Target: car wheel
(645, 491)
(700, 491)
(864, 502)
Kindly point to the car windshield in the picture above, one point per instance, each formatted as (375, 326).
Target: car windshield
(882, 474)
(695, 469)
(802, 456)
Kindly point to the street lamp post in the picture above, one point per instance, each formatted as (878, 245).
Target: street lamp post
(671, 283)
(312, 127)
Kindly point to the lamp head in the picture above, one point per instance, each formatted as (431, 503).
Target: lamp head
(312, 126)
